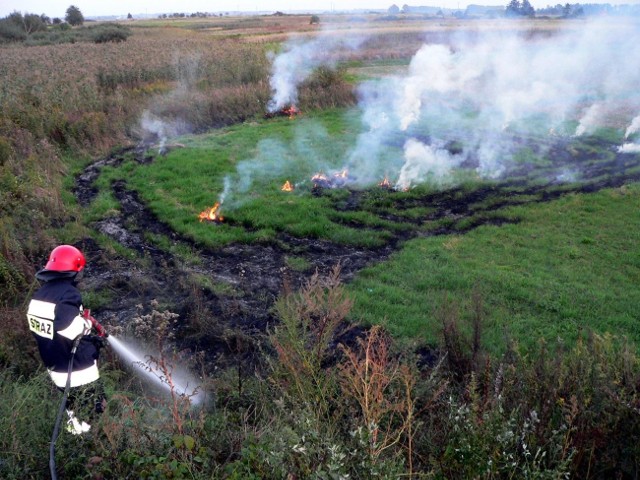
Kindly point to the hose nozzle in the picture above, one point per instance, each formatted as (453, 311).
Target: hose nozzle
(100, 330)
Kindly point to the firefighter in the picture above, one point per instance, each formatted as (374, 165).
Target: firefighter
(56, 319)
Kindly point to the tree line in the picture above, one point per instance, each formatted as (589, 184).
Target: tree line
(523, 8)
(17, 27)
(34, 29)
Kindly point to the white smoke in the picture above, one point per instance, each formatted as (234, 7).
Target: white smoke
(590, 121)
(225, 189)
(474, 102)
(633, 128)
(155, 129)
(299, 59)
(486, 88)
(629, 148)
(423, 162)
(277, 160)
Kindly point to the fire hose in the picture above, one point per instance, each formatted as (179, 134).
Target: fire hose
(100, 332)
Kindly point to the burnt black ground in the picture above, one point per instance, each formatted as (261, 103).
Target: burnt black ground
(254, 275)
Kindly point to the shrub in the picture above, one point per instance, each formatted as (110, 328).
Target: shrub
(111, 33)
(326, 88)
(10, 32)
(309, 322)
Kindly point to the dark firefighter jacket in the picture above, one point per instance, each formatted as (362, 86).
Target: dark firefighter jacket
(55, 320)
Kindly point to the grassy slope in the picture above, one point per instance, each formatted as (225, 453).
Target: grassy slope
(569, 265)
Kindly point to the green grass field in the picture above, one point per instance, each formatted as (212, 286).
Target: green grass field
(568, 266)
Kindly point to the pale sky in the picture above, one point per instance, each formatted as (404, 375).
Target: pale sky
(90, 8)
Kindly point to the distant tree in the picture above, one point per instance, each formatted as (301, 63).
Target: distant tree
(74, 16)
(129, 16)
(57, 21)
(393, 10)
(10, 31)
(517, 8)
(526, 9)
(46, 20)
(315, 19)
(28, 23)
(513, 8)
(406, 8)
(572, 11)
(33, 23)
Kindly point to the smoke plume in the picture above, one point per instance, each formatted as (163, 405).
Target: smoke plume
(298, 60)
(275, 160)
(424, 162)
(481, 90)
(633, 128)
(473, 102)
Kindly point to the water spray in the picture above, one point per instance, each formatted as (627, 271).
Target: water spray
(139, 364)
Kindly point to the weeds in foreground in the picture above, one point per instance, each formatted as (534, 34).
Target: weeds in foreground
(368, 373)
(310, 320)
(361, 410)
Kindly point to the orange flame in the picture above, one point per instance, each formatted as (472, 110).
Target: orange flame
(342, 174)
(385, 183)
(211, 214)
(319, 177)
(287, 187)
(291, 111)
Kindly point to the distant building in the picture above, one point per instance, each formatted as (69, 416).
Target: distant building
(483, 11)
(421, 10)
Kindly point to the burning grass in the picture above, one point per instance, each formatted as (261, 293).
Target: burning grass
(530, 268)
(260, 212)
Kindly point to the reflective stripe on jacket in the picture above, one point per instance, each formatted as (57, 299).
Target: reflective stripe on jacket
(55, 320)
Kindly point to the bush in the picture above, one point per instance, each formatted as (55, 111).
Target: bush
(10, 32)
(111, 33)
(326, 88)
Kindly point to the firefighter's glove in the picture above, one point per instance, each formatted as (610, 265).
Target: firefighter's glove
(86, 314)
(99, 341)
(99, 329)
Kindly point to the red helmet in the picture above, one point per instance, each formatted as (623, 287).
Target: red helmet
(66, 258)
